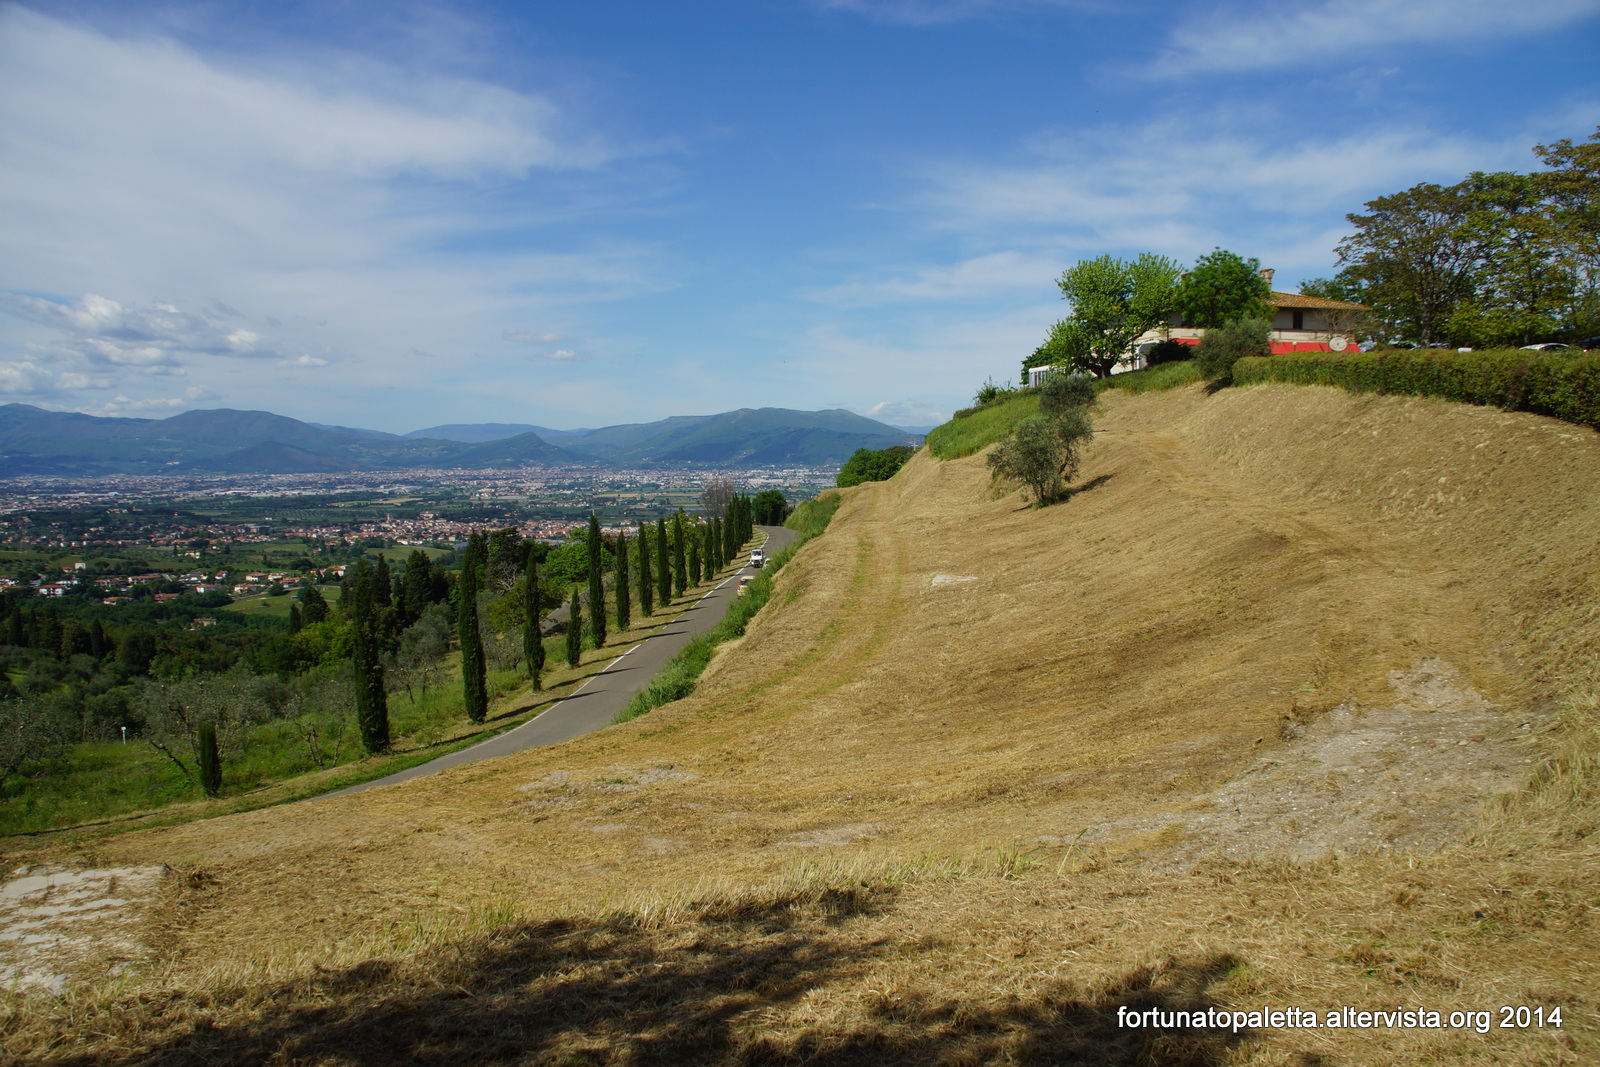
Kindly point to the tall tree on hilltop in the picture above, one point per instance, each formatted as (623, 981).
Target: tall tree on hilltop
(372, 705)
(597, 585)
(574, 631)
(1223, 288)
(647, 589)
(663, 563)
(1113, 302)
(533, 617)
(624, 595)
(474, 669)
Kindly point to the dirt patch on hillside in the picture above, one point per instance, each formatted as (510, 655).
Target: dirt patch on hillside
(1410, 776)
(59, 924)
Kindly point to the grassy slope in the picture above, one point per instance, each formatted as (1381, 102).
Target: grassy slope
(1247, 565)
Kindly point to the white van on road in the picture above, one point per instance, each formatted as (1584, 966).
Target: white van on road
(757, 558)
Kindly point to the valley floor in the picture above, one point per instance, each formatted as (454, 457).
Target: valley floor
(1291, 705)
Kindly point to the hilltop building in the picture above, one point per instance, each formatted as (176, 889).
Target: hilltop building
(1300, 323)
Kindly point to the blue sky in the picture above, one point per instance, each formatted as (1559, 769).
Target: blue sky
(395, 215)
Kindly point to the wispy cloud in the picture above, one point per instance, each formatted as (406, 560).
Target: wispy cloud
(937, 12)
(354, 210)
(1228, 184)
(562, 355)
(1260, 36)
(978, 278)
(523, 337)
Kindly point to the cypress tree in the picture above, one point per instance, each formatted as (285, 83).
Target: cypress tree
(694, 555)
(294, 618)
(716, 542)
(730, 547)
(597, 585)
(624, 606)
(210, 760)
(663, 563)
(372, 706)
(647, 589)
(99, 646)
(680, 565)
(574, 631)
(313, 608)
(533, 619)
(382, 587)
(474, 672)
(418, 584)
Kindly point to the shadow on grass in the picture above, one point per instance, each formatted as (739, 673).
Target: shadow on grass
(1070, 491)
(610, 991)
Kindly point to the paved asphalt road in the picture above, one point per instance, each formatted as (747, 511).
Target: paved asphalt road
(598, 700)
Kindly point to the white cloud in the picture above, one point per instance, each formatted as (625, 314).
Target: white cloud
(972, 279)
(523, 337)
(1264, 36)
(1181, 185)
(904, 413)
(357, 210)
(937, 12)
(561, 355)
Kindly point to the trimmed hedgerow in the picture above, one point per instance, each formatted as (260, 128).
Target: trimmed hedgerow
(1560, 385)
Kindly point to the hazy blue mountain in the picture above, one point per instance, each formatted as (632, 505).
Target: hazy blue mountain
(224, 441)
(476, 433)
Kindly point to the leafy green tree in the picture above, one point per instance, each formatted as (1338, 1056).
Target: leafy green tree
(717, 554)
(1113, 302)
(417, 585)
(597, 588)
(647, 587)
(864, 465)
(469, 634)
(533, 617)
(1221, 348)
(693, 537)
(624, 607)
(1415, 254)
(770, 507)
(313, 607)
(1223, 287)
(574, 631)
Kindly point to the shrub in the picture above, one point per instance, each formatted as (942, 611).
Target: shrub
(1063, 392)
(1222, 347)
(1167, 351)
(1043, 452)
(991, 391)
(1561, 386)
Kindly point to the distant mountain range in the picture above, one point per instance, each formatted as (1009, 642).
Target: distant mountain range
(224, 441)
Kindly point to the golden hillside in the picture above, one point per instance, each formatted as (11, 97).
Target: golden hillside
(1227, 728)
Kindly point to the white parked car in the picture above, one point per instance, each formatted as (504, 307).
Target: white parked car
(757, 558)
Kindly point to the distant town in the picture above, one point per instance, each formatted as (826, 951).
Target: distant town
(242, 535)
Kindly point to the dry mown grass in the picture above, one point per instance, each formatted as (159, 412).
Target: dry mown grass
(947, 673)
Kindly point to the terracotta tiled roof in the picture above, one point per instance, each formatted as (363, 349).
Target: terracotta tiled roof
(1299, 300)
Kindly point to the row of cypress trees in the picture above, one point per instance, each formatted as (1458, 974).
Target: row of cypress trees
(683, 556)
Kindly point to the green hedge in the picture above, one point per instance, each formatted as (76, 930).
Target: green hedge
(1557, 384)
